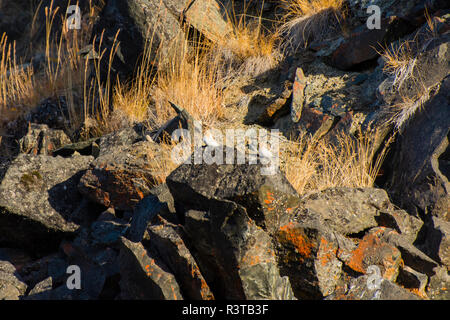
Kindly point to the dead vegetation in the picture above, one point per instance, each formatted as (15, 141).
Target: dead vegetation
(196, 79)
(307, 20)
(401, 64)
(311, 164)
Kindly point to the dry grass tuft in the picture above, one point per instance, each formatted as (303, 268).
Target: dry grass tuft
(307, 20)
(314, 165)
(17, 86)
(192, 80)
(249, 45)
(399, 63)
(164, 166)
(65, 73)
(408, 106)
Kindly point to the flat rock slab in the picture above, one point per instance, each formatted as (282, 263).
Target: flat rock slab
(348, 210)
(37, 197)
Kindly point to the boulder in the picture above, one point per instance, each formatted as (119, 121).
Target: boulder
(307, 256)
(226, 209)
(12, 286)
(194, 186)
(123, 177)
(265, 106)
(416, 182)
(436, 241)
(349, 210)
(371, 250)
(44, 285)
(144, 212)
(144, 275)
(169, 241)
(235, 256)
(40, 139)
(38, 196)
(363, 45)
(438, 286)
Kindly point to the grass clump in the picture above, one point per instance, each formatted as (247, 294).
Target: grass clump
(315, 165)
(310, 20)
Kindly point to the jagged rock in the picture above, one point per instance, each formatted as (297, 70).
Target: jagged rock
(123, 177)
(327, 265)
(144, 212)
(60, 293)
(363, 44)
(411, 255)
(416, 182)
(44, 285)
(430, 66)
(407, 225)
(235, 256)
(317, 260)
(144, 275)
(11, 286)
(96, 262)
(53, 266)
(298, 246)
(167, 240)
(183, 120)
(42, 140)
(359, 290)
(167, 211)
(298, 95)
(313, 121)
(437, 240)
(371, 250)
(439, 284)
(348, 210)
(107, 232)
(86, 148)
(122, 138)
(411, 279)
(193, 186)
(37, 198)
(266, 106)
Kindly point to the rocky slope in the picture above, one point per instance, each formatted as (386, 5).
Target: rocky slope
(228, 231)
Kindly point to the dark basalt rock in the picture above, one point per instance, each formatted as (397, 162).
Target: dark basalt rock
(38, 196)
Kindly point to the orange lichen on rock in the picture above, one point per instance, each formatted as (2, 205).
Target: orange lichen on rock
(257, 255)
(327, 252)
(373, 251)
(294, 235)
(269, 198)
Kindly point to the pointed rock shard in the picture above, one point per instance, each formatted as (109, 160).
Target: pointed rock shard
(298, 95)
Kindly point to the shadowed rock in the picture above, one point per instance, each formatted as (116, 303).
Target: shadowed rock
(37, 198)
